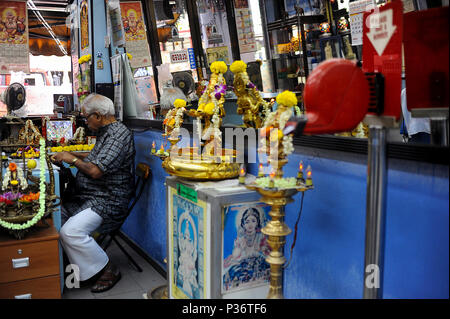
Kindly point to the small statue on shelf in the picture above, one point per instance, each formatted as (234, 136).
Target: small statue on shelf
(174, 119)
(251, 105)
(345, 34)
(14, 178)
(79, 137)
(29, 134)
(210, 107)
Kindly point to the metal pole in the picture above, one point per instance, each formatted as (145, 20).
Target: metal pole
(268, 51)
(439, 131)
(375, 213)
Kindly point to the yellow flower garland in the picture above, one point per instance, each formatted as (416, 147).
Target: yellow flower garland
(84, 59)
(41, 212)
(238, 66)
(218, 67)
(287, 98)
(179, 103)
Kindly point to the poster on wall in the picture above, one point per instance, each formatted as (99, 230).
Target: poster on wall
(116, 68)
(14, 49)
(135, 34)
(214, 25)
(74, 28)
(114, 21)
(217, 54)
(245, 247)
(146, 91)
(244, 23)
(187, 231)
(84, 27)
(309, 7)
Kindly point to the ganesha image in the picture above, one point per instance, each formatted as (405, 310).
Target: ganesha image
(12, 26)
(133, 25)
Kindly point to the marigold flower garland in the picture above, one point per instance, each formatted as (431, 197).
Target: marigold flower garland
(41, 212)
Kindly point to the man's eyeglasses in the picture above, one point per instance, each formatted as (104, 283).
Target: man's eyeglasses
(88, 116)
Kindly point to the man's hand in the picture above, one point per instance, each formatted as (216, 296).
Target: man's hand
(86, 167)
(63, 157)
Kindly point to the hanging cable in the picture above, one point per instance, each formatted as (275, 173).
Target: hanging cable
(296, 229)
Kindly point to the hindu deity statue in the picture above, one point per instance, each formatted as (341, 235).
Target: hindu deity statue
(250, 103)
(174, 119)
(210, 106)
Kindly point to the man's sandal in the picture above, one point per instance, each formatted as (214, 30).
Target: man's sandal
(110, 276)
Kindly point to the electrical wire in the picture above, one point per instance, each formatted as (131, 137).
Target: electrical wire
(296, 229)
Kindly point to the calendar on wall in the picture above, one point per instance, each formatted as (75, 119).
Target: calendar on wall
(14, 49)
(356, 12)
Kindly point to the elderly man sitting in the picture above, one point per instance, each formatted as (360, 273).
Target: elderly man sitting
(104, 188)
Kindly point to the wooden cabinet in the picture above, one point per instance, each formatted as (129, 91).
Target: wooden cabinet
(30, 268)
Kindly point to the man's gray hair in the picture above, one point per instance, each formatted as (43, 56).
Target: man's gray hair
(98, 103)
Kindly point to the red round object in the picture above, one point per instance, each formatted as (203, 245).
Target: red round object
(336, 97)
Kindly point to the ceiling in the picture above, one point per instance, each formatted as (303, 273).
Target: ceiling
(54, 13)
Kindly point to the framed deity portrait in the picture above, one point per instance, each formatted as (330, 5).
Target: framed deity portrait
(245, 247)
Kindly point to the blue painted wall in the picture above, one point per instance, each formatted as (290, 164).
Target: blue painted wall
(328, 258)
(146, 224)
(99, 21)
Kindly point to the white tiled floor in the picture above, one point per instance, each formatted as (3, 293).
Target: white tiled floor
(132, 285)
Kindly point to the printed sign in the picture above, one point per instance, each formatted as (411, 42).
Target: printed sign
(187, 192)
(192, 58)
(382, 51)
(217, 54)
(179, 56)
(284, 48)
(244, 23)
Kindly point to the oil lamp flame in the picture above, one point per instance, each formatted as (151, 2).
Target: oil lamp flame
(308, 172)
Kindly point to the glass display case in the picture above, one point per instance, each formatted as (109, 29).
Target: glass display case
(295, 47)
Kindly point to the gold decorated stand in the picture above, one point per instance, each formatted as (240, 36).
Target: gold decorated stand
(276, 190)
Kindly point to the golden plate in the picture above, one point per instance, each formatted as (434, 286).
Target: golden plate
(193, 166)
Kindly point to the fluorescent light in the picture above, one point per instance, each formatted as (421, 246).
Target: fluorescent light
(32, 6)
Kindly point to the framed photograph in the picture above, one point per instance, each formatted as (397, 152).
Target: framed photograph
(187, 247)
(245, 247)
(58, 129)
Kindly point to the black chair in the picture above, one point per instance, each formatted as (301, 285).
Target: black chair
(143, 173)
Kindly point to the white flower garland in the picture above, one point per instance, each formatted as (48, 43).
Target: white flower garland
(42, 194)
(288, 146)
